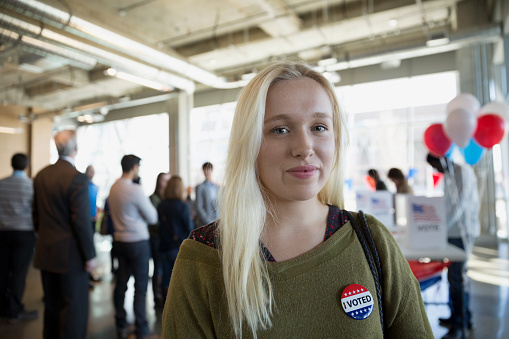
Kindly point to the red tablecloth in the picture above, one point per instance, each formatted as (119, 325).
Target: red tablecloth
(427, 273)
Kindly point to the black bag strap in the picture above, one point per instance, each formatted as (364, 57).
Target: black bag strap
(371, 254)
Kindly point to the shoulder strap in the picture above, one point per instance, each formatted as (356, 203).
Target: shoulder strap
(371, 254)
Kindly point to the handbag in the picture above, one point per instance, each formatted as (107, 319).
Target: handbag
(370, 252)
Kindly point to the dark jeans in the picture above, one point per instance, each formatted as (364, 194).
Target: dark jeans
(458, 292)
(16, 252)
(167, 262)
(65, 305)
(154, 253)
(133, 260)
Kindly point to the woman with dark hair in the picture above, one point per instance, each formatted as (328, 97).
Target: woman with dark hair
(398, 178)
(379, 184)
(174, 225)
(155, 198)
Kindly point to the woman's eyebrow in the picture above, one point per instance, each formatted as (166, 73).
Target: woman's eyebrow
(285, 116)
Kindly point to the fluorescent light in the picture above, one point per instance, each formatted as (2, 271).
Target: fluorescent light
(11, 130)
(437, 42)
(248, 76)
(437, 39)
(139, 80)
(327, 62)
(393, 22)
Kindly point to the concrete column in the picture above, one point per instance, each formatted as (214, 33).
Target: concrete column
(179, 137)
(42, 132)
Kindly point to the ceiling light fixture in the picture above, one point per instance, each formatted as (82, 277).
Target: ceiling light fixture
(437, 39)
(327, 62)
(11, 130)
(248, 76)
(138, 80)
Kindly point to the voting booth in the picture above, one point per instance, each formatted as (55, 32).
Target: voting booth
(423, 221)
(379, 204)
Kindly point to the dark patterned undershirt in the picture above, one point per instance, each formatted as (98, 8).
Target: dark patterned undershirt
(209, 234)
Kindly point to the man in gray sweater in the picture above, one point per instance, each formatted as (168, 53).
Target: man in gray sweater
(131, 211)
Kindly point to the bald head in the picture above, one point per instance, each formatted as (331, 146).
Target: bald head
(66, 143)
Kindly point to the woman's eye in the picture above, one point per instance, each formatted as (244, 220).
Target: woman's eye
(319, 128)
(280, 130)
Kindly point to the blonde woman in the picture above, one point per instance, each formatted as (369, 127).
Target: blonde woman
(283, 260)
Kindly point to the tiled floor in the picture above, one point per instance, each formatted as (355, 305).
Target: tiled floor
(489, 273)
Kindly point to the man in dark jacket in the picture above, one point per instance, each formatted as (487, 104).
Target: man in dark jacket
(65, 251)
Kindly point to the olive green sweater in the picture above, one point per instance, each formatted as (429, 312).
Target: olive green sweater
(307, 292)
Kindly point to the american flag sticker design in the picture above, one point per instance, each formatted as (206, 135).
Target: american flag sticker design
(424, 213)
(357, 301)
(379, 203)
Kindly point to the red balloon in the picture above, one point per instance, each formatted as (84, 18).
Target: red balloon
(436, 140)
(490, 130)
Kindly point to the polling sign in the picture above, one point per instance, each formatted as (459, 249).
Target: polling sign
(379, 204)
(425, 225)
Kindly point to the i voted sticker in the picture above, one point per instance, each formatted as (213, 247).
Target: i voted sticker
(357, 301)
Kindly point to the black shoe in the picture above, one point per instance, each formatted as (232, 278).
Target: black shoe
(447, 322)
(455, 333)
(23, 316)
(123, 333)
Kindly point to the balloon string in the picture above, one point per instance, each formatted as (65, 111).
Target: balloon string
(459, 205)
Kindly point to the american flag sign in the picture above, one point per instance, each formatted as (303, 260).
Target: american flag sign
(424, 213)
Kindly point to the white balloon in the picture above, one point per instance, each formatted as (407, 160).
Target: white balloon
(460, 126)
(496, 107)
(464, 101)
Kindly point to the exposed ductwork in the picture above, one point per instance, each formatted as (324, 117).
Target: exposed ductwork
(106, 38)
(152, 64)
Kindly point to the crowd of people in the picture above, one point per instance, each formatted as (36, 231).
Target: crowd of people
(273, 255)
(55, 215)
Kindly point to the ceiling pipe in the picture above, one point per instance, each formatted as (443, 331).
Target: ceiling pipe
(48, 50)
(89, 31)
(74, 50)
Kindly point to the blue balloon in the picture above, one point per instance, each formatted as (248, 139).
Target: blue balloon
(473, 152)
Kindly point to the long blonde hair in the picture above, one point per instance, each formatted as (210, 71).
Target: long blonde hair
(243, 203)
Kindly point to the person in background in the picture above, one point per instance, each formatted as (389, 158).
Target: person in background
(379, 184)
(283, 260)
(17, 240)
(92, 193)
(64, 251)
(398, 178)
(153, 229)
(175, 225)
(108, 229)
(206, 198)
(462, 214)
(131, 211)
(190, 202)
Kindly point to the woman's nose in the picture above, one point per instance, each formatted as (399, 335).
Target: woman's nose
(302, 145)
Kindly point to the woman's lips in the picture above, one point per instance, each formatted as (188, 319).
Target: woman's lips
(303, 172)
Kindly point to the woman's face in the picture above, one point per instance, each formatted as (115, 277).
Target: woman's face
(297, 149)
(163, 181)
